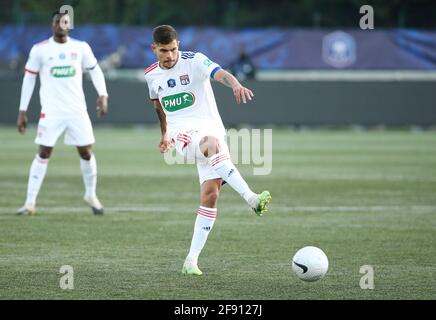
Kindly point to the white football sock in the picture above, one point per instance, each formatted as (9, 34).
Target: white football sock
(89, 173)
(36, 177)
(203, 225)
(222, 165)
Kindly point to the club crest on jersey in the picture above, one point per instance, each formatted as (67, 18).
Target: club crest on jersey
(74, 56)
(62, 56)
(171, 83)
(184, 80)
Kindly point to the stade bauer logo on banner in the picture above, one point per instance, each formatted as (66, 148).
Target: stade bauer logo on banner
(339, 49)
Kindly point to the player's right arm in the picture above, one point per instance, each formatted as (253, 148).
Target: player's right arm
(165, 142)
(31, 72)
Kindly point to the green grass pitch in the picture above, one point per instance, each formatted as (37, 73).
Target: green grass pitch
(365, 198)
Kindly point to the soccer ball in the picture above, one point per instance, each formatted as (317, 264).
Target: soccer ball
(310, 264)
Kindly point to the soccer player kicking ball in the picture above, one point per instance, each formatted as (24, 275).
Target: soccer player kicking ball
(179, 86)
(60, 61)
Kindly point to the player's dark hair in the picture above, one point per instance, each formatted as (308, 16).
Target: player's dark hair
(164, 34)
(55, 13)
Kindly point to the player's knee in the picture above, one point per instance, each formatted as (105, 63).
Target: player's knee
(209, 146)
(85, 153)
(45, 152)
(86, 156)
(210, 197)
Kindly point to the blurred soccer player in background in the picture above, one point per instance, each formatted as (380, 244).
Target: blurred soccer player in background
(179, 86)
(60, 62)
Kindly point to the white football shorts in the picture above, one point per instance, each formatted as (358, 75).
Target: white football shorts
(77, 128)
(188, 145)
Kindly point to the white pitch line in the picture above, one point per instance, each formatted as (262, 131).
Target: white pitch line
(309, 176)
(84, 208)
(139, 209)
(378, 208)
(356, 208)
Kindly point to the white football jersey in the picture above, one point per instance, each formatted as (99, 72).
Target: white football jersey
(185, 92)
(60, 67)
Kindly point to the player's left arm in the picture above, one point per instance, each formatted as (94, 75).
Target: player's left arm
(240, 92)
(91, 65)
(97, 78)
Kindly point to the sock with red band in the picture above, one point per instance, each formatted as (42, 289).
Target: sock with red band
(203, 225)
(222, 165)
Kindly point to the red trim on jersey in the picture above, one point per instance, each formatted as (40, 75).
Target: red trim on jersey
(31, 72)
(151, 68)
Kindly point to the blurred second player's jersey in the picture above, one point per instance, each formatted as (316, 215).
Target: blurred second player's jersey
(185, 92)
(60, 67)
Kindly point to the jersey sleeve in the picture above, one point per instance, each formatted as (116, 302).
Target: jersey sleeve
(151, 93)
(89, 61)
(33, 64)
(206, 66)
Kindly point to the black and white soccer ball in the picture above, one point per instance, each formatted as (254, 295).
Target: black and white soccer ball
(310, 264)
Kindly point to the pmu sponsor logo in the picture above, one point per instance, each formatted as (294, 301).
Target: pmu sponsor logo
(178, 101)
(63, 72)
